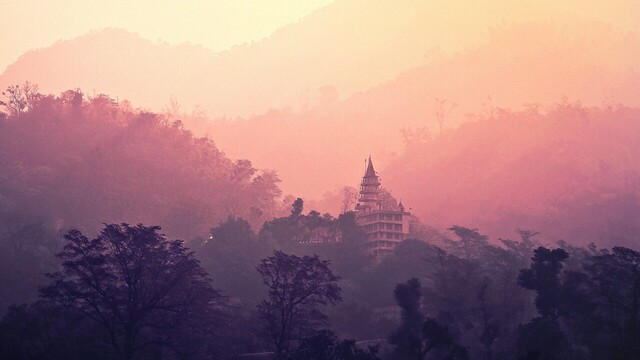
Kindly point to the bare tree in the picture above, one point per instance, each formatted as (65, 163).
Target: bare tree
(173, 109)
(442, 111)
(348, 199)
(20, 98)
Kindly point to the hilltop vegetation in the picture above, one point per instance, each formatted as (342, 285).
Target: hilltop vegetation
(569, 171)
(520, 66)
(70, 160)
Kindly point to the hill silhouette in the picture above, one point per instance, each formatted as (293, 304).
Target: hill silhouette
(68, 161)
(522, 66)
(332, 47)
(569, 172)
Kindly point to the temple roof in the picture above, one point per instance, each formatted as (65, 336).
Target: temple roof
(371, 172)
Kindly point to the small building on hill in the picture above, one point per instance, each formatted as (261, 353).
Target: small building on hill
(385, 223)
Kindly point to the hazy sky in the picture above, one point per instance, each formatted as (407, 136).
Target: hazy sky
(215, 24)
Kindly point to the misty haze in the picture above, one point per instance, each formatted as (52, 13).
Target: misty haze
(321, 179)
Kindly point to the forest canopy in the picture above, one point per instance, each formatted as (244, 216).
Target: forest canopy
(71, 159)
(74, 161)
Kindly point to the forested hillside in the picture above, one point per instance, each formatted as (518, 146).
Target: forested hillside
(185, 180)
(519, 66)
(568, 171)
(72, 161)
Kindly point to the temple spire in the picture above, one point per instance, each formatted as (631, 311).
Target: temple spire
(370, 172)
(384, 223)
(369, 188)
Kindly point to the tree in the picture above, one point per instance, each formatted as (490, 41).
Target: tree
(324, 345)
(407, 338)
(419, 336)
(233, 230)
(348, 198)
(603, 303)
(296, 287)
(543, 337)
(522, 249)
(387, 201)
(147, 293)
(442, 111)
(45, 331)
(296, 208)
(20, 98)
(230, 256)
(544, 278)
(471, 243)
(439, 342)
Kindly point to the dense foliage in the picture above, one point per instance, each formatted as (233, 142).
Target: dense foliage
(72, 161)
(131, 293)
(467, 299)
(147, 295)
(568, 171)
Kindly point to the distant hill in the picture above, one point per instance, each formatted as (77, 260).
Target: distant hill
(334, 45)
(570, 172)
(347, 46)
(114, 62)
(521, 66)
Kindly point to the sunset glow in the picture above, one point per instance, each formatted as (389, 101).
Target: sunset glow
(320, 179)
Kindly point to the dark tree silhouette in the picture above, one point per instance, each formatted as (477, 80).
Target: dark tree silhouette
(297, 207)
(284, 230)
(439, 342)
(407, 337)
(296, 287)
(147, 293)
(230, 256)
(603, 303)
(544, 278)
(419, 336)
(543, 337)
(324, 345)
(233, 230)
(45, 331)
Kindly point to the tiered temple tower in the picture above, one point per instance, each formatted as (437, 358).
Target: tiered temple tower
(386, 225)
(369, 189)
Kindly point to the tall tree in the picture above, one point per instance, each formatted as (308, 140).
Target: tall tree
(603, 303)
(297, 207)
(297, 286)
(470, 245)
(230, 256)
(544, 278)
(418, 336)
(407, 337)
(543, 337)
(147, 293)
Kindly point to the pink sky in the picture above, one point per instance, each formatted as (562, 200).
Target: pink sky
(218, 25)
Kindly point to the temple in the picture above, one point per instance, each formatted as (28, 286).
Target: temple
(385, 222)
